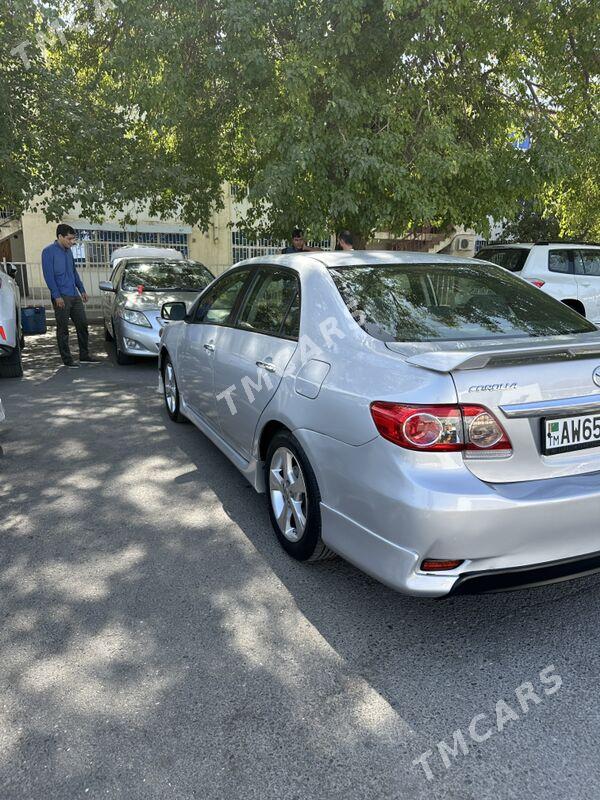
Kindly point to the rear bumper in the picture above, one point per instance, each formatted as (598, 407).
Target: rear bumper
(8, 342)
(386, 514)
(528, 576)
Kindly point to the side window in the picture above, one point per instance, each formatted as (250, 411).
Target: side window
(269, 304)
(590, 262)
(512, 259)
(560, 260)
(216, 306)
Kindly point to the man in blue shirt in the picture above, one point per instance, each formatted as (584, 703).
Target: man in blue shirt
(68, 294)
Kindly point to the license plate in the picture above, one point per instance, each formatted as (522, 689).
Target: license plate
(570, 433)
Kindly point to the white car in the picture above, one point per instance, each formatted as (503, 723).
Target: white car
(568, 271)
(11, 335)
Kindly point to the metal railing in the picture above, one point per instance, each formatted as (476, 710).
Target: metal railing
(34, 292)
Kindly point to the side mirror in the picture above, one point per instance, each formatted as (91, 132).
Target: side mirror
(106, 286)
(174, 312)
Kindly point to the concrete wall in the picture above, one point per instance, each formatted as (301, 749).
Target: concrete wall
(213, 247)
(37, 233)
(17, 247)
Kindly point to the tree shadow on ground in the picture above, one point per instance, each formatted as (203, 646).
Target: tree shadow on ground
(157, 642)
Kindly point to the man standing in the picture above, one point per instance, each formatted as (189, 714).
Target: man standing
(68, 294)
(345, 241)
(298, 244)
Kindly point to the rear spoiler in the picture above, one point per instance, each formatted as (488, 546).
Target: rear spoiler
(452, 360)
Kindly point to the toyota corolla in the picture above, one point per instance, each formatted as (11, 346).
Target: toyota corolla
(433, 420)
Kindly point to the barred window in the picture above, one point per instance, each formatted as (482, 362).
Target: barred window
(95, 247)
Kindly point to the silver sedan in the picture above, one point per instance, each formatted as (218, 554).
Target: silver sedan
(434, 420)
(132, 299)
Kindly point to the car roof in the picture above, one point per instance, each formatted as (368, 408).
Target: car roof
(505, 245)
(529, 245)
(351, 258)
(138, 251)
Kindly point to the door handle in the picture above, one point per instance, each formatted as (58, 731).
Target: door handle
(209, 347)
(266, 365)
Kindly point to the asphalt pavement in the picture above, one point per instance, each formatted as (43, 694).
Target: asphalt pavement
(156, 642)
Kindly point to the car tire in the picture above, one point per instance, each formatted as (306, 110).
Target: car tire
(171, 392)
(12, 366)
(295, 513)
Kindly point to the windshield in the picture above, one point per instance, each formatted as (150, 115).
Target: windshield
(450, 302)
(162, 276)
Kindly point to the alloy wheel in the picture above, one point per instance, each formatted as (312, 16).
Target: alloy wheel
(287, 489)
(170, 388)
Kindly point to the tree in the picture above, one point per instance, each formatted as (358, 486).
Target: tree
(27, 87)
(531, 225)
(363, 114)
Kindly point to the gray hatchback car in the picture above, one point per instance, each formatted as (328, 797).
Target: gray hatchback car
(132, 300)
(434, 420)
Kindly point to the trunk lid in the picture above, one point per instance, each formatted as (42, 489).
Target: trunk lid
(522, 382)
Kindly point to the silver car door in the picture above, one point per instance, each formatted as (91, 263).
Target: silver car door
(196, 354)
(250, 359)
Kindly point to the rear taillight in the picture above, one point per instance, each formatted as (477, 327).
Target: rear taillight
(461, 428)
(539, 284)
(2, 333)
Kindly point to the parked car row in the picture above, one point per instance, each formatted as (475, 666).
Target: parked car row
(434, 420)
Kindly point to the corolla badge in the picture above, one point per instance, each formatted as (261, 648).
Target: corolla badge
(496, 387)
(596, 376)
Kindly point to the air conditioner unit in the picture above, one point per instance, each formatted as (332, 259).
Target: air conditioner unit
(463, 244)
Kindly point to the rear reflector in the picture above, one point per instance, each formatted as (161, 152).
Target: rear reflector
(431, 565)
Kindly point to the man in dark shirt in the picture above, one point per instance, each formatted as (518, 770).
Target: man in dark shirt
(345, 241)
(298, 244)
(68, 294)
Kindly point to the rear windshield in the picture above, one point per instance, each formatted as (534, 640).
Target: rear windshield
(159, 276)
(450, 302)
(511, 258)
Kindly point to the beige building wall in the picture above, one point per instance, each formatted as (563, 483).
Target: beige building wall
(37, 234)
(213, 247)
